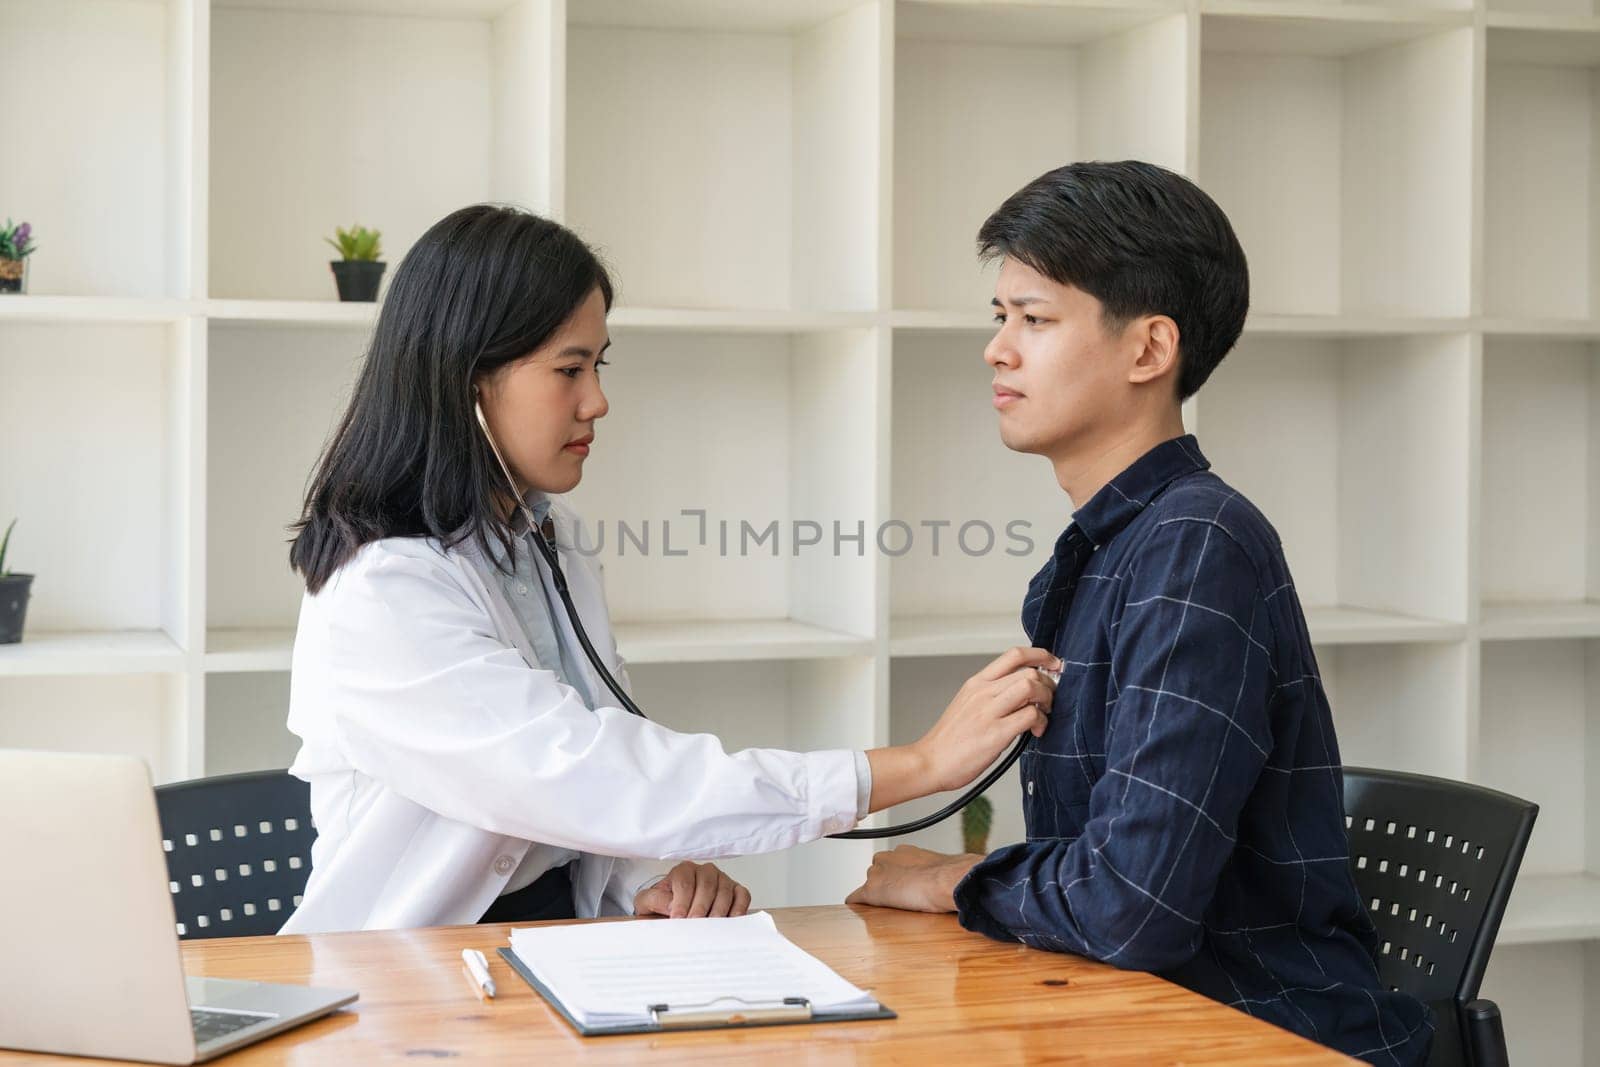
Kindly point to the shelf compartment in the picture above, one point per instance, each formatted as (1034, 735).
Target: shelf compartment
(1353, 626)
(92, 652)
(1342, 152)
(990, 635)
(1336, 11)
(727, 641)
(795, 455)
(1540, 329)
(103, 524)
(956, 635)
(308, 134)
(979, 320)
(68, 714)
(722, 641)
(1541, 459)
(243, 650)
(1547, 995)
(1544, 40)
(1267, 27)
(1561, 15)
(1116, 77)
(1399, 706)
(1540, 620)
(275, 396)
(1540, 251)
(920, 688)
(711, 320)
(798, 705)
(1552, 907)
(1539, 738)
(293, 313)
(247, 723)
(622, 317)
(92, 309)
(1356, 451)
(434, 9)
(1340, 327)
(1002, 510)
(101, 93)
(762, 188)
(769, 16)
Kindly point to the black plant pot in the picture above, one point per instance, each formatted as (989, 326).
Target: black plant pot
(13, 606)
(358, 279)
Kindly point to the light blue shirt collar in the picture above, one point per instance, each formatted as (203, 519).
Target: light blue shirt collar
(539, 504)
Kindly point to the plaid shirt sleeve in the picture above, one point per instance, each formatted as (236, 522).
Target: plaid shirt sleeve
(1187, 735)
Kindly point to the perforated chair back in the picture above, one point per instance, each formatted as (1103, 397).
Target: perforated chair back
(1435, 861)
(238, 851)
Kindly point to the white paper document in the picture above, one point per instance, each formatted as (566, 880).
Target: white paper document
(610, 974)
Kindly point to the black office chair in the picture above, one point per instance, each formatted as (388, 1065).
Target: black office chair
(1435, 861)
(238, 851)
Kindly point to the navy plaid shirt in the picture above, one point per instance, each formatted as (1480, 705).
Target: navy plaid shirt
(1185, 806)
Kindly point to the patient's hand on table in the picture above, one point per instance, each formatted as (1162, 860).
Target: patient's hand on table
(693, 891)
(913, 879)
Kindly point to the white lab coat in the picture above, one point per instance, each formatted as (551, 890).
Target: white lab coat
(438, 749)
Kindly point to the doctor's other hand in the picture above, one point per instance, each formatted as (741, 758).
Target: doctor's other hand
(693, 891)
(1005, 699)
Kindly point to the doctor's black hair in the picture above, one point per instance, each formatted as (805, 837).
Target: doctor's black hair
(1141, 240)
(482, 288)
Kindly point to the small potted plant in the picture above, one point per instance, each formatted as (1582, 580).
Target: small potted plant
(976, 820)
(359, 269)
(16, 245)
(13, 595)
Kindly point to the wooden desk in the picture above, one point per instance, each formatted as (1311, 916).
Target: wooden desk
(961, 999)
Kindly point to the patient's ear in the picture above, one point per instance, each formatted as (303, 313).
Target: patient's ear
(1154, 341)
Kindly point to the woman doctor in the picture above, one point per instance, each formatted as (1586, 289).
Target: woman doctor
(466, 762)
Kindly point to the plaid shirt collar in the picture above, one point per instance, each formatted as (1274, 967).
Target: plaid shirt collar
(1110, 510)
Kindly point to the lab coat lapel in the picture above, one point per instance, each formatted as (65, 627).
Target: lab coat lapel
(593, 872)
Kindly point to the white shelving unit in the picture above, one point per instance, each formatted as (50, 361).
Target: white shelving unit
(789, 192)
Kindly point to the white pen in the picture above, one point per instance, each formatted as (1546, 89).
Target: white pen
(478, 970)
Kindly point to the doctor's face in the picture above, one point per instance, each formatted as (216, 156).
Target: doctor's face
(542, 408)
(1060, 376)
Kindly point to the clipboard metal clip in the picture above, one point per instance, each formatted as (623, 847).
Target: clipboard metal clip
(748, 1012)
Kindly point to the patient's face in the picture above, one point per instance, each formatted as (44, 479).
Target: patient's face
(1060, 377)
(543, 408)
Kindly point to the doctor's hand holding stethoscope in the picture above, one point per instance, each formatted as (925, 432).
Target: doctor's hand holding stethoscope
(473, 750)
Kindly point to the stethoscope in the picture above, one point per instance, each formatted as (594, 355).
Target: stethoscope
(548, 552)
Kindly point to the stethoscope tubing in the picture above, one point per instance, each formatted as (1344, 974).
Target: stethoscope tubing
(871, 833)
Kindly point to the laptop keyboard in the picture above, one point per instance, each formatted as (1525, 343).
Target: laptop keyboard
(210, 1025)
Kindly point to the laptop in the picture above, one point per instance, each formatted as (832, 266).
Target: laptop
(89, 960)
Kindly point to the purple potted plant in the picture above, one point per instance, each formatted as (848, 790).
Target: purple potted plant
(14, 590)
(16, 245)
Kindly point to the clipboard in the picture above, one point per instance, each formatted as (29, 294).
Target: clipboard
(792, 1011)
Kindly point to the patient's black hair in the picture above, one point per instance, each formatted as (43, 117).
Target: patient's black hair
(1140, 239)
(483, 287)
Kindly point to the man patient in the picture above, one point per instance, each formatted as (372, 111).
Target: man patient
(1184, 806)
